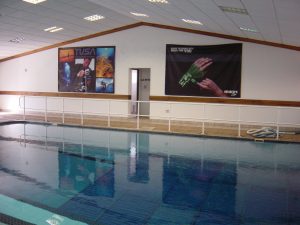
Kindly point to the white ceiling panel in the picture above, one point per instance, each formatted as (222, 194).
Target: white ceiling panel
(275, 20)
(229, 3)
(85, 5)
(258, 8)
(12, 21)
(21, 14)
(9, 3)
(5, 26)
(6, 11)
(266, 23)
(290, 41)
(18, 4)
(288, 17)
(212, 10)
(195, 12)
(244, 21)
(287, 10)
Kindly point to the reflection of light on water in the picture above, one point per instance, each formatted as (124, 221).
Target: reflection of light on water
(55, 220)
(132, 151)
(132, 158)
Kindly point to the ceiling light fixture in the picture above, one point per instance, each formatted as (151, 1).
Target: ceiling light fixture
(159, 1)
(234, 10)
(17, 40)
(34, 1)
(50, 28)
(57, 29)
(248, 29)
(192, 21)
(139, 14)
(94, 17)
(53, 29)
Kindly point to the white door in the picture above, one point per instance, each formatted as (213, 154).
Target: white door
(140, 91)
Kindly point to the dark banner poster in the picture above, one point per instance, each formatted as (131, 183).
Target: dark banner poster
(86, 69)
(213, 70)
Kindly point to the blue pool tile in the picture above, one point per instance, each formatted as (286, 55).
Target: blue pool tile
(116, 218)
(169, 214)
(30, 190)
(82, 209)
(140, 192)
(264, 222)
(103, 186)
(128, 210)
(221, 200)
(294, 205)
(266, 205)
(208, 218)
(159, 221)
(227, 175)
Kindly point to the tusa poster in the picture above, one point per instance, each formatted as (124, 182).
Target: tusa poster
(86, 69)
(212, 70)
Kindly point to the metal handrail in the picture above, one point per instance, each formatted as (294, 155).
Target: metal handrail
(169, 115)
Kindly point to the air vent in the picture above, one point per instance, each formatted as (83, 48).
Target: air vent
(234, 10)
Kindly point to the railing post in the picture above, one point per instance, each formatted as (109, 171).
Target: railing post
(81, 116)
(81, 141)
(24, 130)
(46, 137)
(203, 120)
(277, 122)
(108, 119)
(46, 109)
(169, 111)
(108, 145)
(239, 121)
(24, 108)
(63, 139)
(138, 115)
(63, 110)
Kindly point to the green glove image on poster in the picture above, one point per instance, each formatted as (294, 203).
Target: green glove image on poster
(196, 72)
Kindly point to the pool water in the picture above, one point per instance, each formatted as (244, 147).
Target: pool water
(68, 175)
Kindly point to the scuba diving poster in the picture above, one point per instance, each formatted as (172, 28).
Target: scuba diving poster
(210, 71)
(86, 69)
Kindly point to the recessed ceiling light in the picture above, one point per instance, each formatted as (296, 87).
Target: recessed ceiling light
(17, 40)
(248, 29)
(53, 29)
(139, 14)
(94, 17)
(57, 29)
(192, 21)
(159, 1)
(50, 28)
(233, 10)
(34, 1)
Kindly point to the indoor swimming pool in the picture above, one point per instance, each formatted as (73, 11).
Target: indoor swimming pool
(52, 174)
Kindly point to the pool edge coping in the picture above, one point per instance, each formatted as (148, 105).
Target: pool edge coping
(148, 131)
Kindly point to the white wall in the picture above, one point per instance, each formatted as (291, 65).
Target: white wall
(267, 72)
(36, 72)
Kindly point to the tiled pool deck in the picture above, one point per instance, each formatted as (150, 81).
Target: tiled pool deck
(158, 125)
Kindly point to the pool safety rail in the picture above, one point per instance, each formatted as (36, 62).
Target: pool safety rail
(151, 114)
